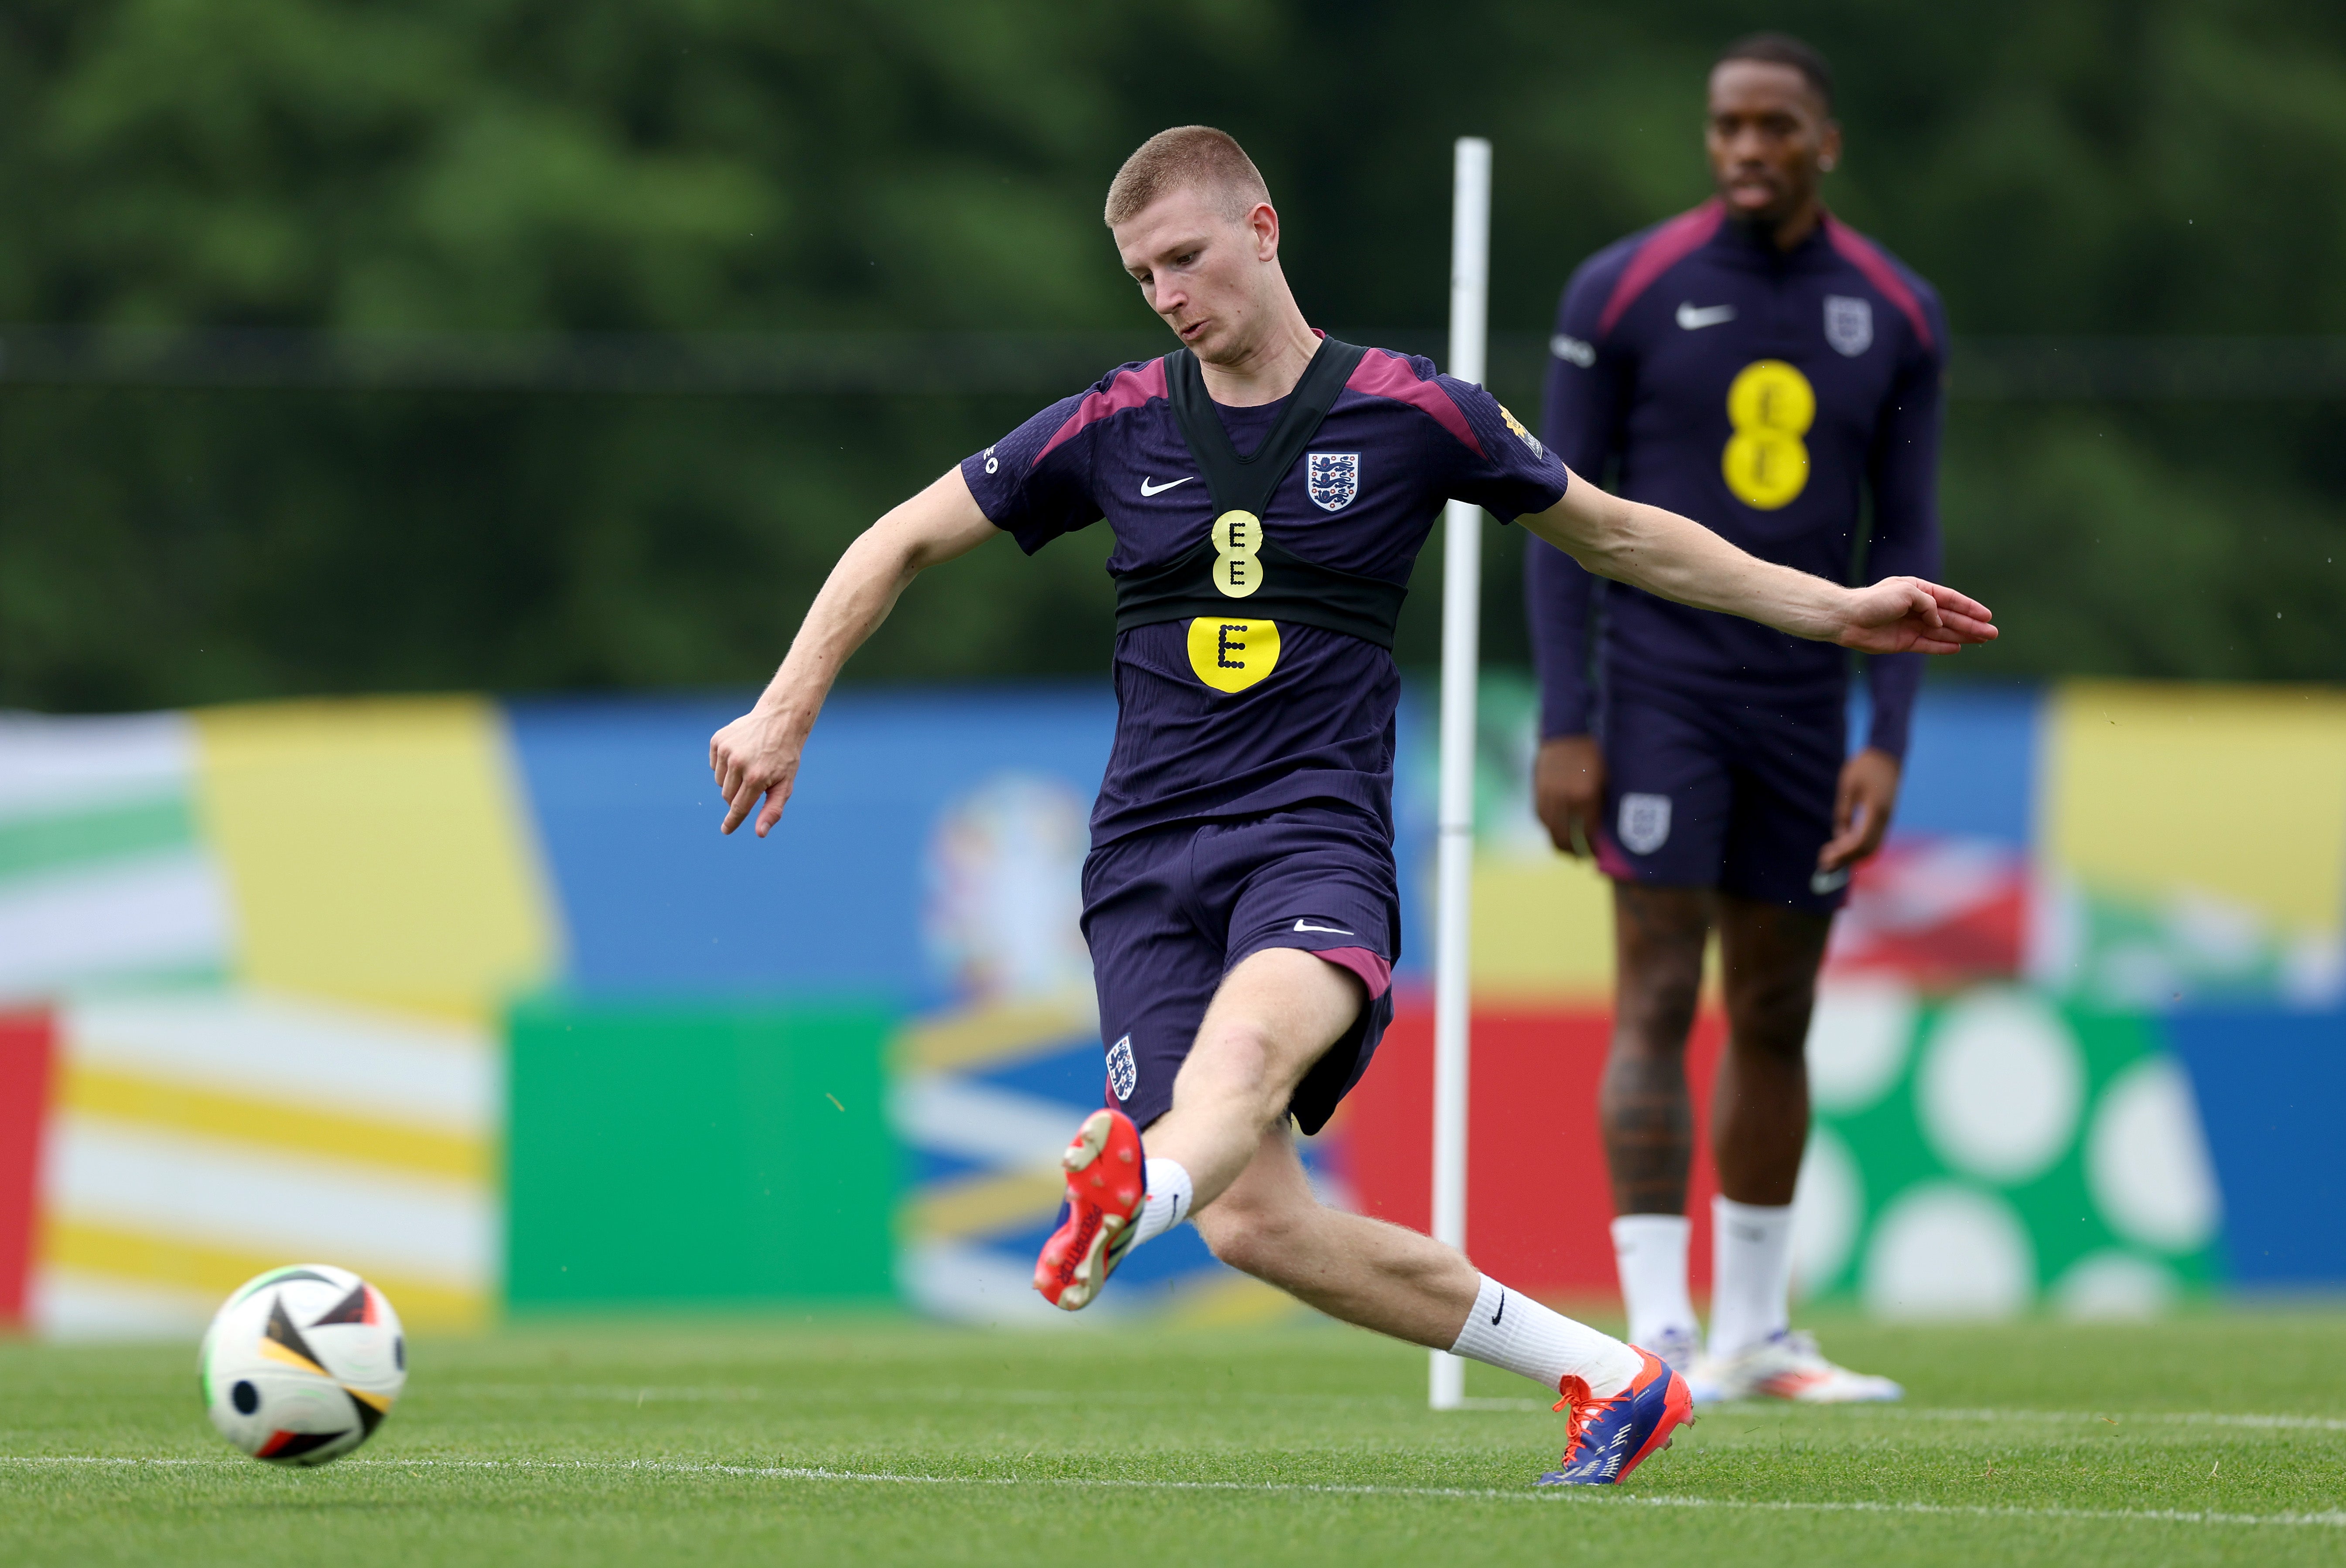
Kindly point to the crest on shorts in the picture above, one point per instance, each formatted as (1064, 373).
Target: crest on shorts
(1848, 324)
(1333, 478)
(1123, 1072)
(1645, 823)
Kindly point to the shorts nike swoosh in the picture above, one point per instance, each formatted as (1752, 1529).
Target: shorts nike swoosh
(1329, 929)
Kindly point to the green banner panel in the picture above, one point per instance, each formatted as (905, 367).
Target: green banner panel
(710, 1154)
(1976, 1154)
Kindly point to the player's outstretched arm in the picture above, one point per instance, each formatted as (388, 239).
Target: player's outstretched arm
(758, 753)
(1669, 556)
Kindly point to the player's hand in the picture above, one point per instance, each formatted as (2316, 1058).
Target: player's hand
(1907, 614)
(757, 754)
(1861, 808)
(1568, 791)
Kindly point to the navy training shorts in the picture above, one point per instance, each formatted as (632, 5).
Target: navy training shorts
(1734, 796)
(1168, 911)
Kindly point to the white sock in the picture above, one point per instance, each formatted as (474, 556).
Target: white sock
(1512, 1330)
(1751, 1274)
(1650, 1250)
(1168, 1199)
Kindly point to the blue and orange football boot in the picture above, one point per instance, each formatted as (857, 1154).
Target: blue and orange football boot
(1106, 1190)
(1605, 1440)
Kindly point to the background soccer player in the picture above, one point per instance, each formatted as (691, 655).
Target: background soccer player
(1269, 491)
(1757, 365)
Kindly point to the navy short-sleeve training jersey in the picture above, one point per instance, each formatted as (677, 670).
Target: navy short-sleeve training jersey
(1228, 716)
(1760, 392)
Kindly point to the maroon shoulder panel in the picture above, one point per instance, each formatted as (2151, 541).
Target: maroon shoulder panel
(1663, 249)
(1386, 374)
(1129, 390)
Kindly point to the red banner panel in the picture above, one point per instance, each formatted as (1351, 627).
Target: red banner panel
(25, 1046)
(1537, 1199)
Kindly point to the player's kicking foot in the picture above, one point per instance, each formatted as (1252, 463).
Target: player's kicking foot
(1106, 1190)
(1786, 1365)
(1607, 1438)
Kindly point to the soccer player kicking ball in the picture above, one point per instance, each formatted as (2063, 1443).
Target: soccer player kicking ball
(1270, 489)
(1756, 364)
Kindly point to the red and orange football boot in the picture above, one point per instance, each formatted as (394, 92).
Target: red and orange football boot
(1605, 1440)
(1106, 1190)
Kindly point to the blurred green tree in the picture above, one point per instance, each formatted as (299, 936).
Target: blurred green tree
(520, 167)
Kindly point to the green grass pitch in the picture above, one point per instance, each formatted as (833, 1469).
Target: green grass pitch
(2207, 1438)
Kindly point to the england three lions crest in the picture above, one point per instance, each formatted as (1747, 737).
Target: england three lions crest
(1848, 324)
(1123, 1072)
(1333, 478)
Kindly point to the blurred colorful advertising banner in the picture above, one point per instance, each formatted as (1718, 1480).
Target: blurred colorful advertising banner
(2079, 1041)
(470, 996)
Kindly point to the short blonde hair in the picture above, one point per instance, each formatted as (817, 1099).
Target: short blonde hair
(1200, 157)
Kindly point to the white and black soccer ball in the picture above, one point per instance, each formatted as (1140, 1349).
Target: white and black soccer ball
(302, 1364)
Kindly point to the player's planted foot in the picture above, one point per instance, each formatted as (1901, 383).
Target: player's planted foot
(1605, 1440)
(1786, 1365)
(1106, 1190)
(1677, 1348)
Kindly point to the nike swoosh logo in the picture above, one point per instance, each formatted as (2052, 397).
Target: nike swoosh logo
(1694, 319)
(1331, 930)
(1502, 1311)
(1149, 489)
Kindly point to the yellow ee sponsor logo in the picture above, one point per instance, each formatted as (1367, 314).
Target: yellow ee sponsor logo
(1238, 566)
(1770, 406)
(1231, 656)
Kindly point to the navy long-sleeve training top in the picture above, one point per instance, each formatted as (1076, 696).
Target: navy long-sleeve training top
(1760, 392)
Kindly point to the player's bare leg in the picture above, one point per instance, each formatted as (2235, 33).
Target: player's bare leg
(1268, 1223)
(1768, 958)
(1645, 1108)
(1642, 1100)
(1275, 1014)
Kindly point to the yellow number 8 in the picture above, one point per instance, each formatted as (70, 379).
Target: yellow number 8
(1771, 405)
(1236, 536)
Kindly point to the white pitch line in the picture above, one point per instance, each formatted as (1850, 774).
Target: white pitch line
(629, 1394)
(2333, 1519)
(633, 1394)
(2120, 1418)
(1901, 1412)
(658, 1393)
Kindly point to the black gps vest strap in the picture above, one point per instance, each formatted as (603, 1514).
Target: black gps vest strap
(1292, 588)
(1247, 484)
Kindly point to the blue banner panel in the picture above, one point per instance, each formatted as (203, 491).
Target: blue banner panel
(835, 901)
(2269, 1084)
(1971, 762)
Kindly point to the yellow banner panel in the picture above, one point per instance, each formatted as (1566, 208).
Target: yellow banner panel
(281, 1124)
(377, 850)
(146, 1259)
(1543, 931)
(2156, 790)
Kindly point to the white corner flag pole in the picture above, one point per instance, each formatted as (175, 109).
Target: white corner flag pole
(1461, 595)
